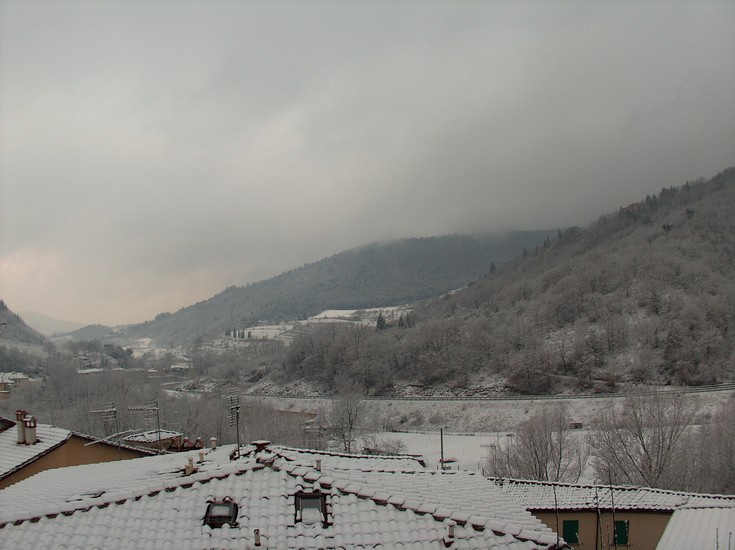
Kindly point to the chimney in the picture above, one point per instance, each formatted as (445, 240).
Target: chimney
(213, 442)
(30, 429)
(20, 416)
(189, 468)
(201, 456)
(449, 537)
(318, 464)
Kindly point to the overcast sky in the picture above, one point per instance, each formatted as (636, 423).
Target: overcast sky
(153, 153)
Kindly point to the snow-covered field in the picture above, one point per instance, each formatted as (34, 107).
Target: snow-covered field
(471, 426)
(467, 451)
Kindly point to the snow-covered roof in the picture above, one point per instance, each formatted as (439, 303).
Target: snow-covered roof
(544, 495)
(152, 436)
(694, 526)
(14, 455)
(13, 377)
(371, 502)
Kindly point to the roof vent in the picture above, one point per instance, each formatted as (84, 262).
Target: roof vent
(256, 537)
(189, 468)
(213, 442)
(318, 465)
(449, 536)
(261, 445)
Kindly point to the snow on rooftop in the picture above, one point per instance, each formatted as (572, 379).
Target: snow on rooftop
(539, 495)
(711, 527)
(371, 501)
(14, 456)
(152, 436)
(13, 377)
(335, 314)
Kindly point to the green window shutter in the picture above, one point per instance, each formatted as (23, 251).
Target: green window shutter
(621, 532)
(570, 529)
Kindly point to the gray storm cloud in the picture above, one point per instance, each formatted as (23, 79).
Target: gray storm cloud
(154, 153)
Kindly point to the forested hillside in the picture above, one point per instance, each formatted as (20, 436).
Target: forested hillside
(12, 327)
(643, 295)
(376, 275)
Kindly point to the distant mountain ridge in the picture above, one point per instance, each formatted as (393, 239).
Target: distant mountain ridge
(645, 295)
(375, 275)
(47, 325)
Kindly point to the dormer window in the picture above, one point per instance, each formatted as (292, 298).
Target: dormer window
(311, 508)
(220, 512)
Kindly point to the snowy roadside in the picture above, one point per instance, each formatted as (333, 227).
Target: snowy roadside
(476, 416)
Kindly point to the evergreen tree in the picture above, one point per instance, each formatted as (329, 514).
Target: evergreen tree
(381, 322)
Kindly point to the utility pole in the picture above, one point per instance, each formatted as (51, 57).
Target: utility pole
(441, 441)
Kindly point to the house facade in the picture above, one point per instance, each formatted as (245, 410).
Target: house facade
(11, 380)
(606, 517)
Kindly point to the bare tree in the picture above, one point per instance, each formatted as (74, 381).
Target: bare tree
(374, 443)
(644, 442)
(715, 452)
(544, 448)
(345, 414)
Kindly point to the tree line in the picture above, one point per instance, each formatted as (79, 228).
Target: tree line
(662, 440)
(643, 296)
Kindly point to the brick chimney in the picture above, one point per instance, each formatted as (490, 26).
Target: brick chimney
(30, 429)
(20, 416)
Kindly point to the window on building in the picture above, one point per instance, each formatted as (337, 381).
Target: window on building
(220, 512)
(311, 508)
(570, 531)
(622, 528)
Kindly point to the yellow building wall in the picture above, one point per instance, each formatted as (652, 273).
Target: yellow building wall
(644, 528)
(72, 452)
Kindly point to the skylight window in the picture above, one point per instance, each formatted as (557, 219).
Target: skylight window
(311, 508)
(221, 512)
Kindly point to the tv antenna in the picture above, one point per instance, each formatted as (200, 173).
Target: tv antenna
(149, 411)
(234, 416)
(108, 413)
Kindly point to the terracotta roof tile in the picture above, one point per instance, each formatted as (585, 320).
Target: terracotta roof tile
(540, 495)
(148, 502)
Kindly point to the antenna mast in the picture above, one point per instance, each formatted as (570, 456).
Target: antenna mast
(234, 416)
(149, 409)
(108, 412)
